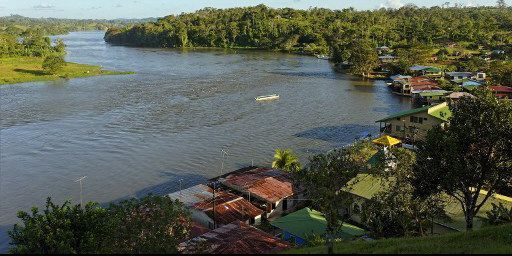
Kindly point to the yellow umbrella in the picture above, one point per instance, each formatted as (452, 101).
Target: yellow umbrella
(386, 141)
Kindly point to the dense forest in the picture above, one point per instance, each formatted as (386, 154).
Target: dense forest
(321, 31)
(16, 24)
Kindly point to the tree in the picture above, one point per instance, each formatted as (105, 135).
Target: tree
(499, 214)
(469, 155)
(153, 224)
(394, 212)
(324, 179)
(501, 4)
(149, 225)
(363, 58)
(53, 64)
(60, 229)
(286, 160)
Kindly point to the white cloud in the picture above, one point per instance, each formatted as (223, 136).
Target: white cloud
(394, 4)
(43, 7)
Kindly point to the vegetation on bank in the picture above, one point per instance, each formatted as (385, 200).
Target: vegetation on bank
(347, 35)
(29, 69)
(486, 240)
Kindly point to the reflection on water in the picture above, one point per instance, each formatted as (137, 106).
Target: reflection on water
(135, 134)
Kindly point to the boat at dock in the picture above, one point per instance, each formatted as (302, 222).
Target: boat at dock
(267, 97)
(323, 57)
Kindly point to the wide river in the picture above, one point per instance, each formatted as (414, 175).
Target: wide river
(167, 124)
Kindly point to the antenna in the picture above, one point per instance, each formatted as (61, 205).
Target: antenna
(80, 180)
(224, 154)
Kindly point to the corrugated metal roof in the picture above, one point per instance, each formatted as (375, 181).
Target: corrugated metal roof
(234, 238)
(267, 184)
(228, 207)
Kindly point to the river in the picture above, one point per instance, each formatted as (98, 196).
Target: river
(167, 124)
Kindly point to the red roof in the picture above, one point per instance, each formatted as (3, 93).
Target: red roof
(422, 81)
(228, 208)
(267, 184)
(502, 89)
(234, 238)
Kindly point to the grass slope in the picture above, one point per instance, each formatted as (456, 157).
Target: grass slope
(486, 240)
(28, 69)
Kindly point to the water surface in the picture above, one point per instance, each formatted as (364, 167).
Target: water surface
(136, 134)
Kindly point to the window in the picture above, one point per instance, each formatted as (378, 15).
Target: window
(398, 128)
(415, 119)
(252, 221)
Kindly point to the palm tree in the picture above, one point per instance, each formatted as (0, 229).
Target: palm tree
(286, 160)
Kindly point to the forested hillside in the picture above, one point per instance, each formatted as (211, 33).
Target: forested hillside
(16, 24)
(322, 31)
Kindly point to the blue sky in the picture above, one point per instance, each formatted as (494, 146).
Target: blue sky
(110, 9)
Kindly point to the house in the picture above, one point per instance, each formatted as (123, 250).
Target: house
(413, 125)
(383, 49)
(201, 200)
(461, 76)
(455, 96)
(274, 189)
(428, 97)
(426, 71)
(366, 186)
(300, 225)
(386, 58)
(234, 238)
(502, 92)
(407, 85)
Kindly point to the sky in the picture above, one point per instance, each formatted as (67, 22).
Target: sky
(111, 9)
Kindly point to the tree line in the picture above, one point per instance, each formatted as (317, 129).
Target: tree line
(321, 31)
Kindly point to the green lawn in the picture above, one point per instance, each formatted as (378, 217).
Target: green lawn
(28, 69)
(485, 240)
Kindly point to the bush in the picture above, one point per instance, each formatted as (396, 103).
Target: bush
(499, 215)
(53, 64)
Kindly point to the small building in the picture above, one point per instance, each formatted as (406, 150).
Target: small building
(407, 86)
(383, 49)
(386, 58)
(200, 200)
(298, 226)
(501, 92)
(412, 125)
(274, 189)
(459, 77)
(430, 71)
(365, 186)
(455, 96)
(234, 238)
(428, 97)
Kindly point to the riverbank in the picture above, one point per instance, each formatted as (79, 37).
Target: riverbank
(28, 69)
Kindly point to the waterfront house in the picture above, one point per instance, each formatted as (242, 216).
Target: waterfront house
(298, 226)
(386, 59)
(365, 186)
(201, 200)
(459, 77)
(412, 125)
(428, 97)
(455, 96)
(275, 190)
(234, 238)
(408, 85)
(429, 71)
(502, 92)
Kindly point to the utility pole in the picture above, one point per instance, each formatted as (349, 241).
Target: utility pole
(214, 222)
(80, 180)
(180, 180)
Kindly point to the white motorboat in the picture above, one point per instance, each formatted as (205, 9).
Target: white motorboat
(267, 97)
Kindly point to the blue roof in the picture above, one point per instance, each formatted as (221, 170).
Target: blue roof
(471, 83)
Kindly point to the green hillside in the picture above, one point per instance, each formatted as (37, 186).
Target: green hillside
(486, 240)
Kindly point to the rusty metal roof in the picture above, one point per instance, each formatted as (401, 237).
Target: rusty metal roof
(234, 238)
(228, 207)
(267, 184)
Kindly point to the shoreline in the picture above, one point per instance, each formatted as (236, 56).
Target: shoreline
(16, 70)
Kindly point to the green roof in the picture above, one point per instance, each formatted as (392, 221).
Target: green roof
(405, 113)
(432, 69)
(429, 94)
(368, 185)
(310, 222)
(441, 111)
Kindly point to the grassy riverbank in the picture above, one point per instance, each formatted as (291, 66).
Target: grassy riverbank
(486, 240)
(28, 69)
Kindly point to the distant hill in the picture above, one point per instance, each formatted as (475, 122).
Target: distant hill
(486, 240)
(17, 24)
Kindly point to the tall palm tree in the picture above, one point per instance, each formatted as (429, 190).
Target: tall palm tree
(286, 160)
